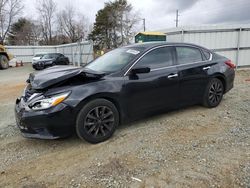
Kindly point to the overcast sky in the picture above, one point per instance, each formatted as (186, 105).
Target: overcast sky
(160, 14)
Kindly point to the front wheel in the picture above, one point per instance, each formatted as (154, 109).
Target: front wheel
(97, 121)
(4, 62)
(214, 93)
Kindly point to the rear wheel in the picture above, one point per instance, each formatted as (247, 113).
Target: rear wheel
(4, 62)
(97, 121)
(214, 93)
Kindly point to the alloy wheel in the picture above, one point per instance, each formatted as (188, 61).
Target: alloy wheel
(215, 93)
(99, 121)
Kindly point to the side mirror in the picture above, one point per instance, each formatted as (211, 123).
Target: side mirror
(140, 70)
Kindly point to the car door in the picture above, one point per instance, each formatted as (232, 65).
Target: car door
(154, 90)
(192, 71)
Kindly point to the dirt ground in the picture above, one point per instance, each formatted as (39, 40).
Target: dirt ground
(191, 147)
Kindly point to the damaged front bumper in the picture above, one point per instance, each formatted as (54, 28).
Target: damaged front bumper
(53, 123)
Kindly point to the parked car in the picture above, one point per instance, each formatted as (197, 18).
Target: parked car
(50, 59)
(123, 84)
(38, 56)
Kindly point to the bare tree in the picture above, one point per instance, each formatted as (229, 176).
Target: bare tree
(47, 12)
(129, 24)
(72, 23)
(9, 10)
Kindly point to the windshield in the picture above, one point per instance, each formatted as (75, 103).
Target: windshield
(49, 56)
(39, 55)
(114, 60)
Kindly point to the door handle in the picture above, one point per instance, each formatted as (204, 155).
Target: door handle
(172, 75)
(206, 68)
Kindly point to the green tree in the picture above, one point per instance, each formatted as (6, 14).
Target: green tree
(21, 33)
(114, 25)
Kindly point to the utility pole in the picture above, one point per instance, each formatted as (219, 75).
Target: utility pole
(177, 18)
(144, 24)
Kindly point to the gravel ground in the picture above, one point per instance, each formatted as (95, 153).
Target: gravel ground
(191, 147)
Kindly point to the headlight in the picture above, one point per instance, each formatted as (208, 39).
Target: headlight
(48, 102)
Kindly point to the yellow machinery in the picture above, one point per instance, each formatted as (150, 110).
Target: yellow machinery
(5, 57)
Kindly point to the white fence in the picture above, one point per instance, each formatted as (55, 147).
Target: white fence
(230, 41)
(78, 53)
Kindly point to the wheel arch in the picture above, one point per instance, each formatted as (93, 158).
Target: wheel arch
(222, 78)
(108, 96)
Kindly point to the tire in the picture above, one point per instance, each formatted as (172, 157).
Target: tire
(213, 93)
(4, 62)
(97, 121)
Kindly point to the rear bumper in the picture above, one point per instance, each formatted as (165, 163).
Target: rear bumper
(53, 123)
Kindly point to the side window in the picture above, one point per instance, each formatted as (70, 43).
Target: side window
(160, 57)
(206, 54)
(188, 55)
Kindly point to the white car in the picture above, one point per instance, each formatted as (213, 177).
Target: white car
(38, 56)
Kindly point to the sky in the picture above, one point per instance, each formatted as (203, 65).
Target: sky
(160, 14)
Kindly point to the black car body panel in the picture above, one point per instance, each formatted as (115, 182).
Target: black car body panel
(133, 94)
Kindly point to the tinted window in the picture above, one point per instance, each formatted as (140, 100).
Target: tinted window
(39, 55)
(160, 57)
(206, 54)
(188, 55)
(49, 56)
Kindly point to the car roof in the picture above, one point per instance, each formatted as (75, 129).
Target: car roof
(37, 53)
(53, 53)
(148, 45)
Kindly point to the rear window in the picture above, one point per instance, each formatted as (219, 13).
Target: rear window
(187, 55)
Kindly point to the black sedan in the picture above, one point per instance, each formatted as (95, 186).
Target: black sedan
(50, 59)
(124, 84)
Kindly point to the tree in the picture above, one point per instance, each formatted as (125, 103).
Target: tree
(47, 12)
(9, 10)
(72, 24)
(23, 32)
(114, 25)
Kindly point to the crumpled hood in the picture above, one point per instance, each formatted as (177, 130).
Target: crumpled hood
(56, 74)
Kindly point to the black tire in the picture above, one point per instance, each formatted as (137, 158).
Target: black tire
(97, 121)
(213, 93)
(4, 62)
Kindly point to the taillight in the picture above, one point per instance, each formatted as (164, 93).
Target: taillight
(230, 64)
